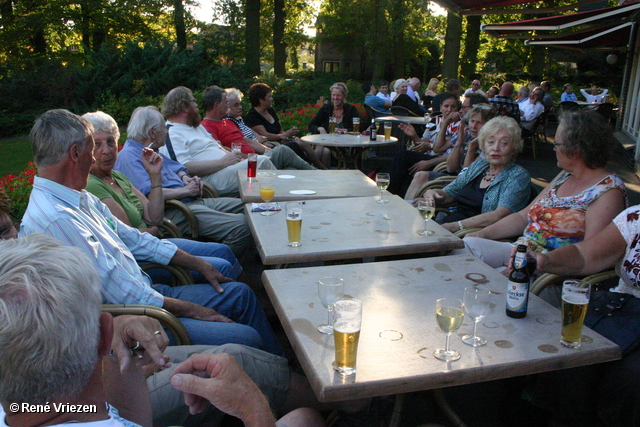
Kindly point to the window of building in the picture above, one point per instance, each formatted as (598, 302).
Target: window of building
(331, 66)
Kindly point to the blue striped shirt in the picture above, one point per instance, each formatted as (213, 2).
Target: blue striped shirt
(78, 218)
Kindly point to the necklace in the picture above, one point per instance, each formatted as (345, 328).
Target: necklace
(489, 176)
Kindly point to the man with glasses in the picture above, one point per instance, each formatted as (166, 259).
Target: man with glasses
(227, 132)
(475, 88)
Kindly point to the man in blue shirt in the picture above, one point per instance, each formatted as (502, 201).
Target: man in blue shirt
(379, 105)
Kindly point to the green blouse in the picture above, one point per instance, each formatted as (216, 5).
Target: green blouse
(130, 203)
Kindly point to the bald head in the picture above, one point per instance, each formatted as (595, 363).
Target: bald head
(506, 89)
(414, 82)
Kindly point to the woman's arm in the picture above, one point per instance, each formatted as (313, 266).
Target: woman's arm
(153, 207)
(472, 153)
(602, 211)
(481, 220)
(320, 122)
(454, 160)
(442, 144)
(261, 130)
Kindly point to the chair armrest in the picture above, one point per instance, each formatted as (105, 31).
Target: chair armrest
(169, 229)
(184, 209)
(167, 319)
(600, 277)
(179, 276)
(209, 191)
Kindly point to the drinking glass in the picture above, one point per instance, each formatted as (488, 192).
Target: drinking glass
(449, 315)
(575, 301)
(426, 210)
(387, 130)
(356, 125)
(347, 324)
(236, 147)
(267, 191)
(382, 181)
(332, 124)
(294, 222)
(476, 305)
(252, 166)
(330, 290)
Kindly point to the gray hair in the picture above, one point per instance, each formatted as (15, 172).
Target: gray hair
(398, 83)
(54, 133)
(49, 320)
(142, 120)
(497, 124)
(524, 91)
(174, 102)
(212, 95)
(233, 93)
(102, 122)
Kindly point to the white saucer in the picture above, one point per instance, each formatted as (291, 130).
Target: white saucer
(302, 192)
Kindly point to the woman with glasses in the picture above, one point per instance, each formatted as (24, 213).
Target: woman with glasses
(575, 206)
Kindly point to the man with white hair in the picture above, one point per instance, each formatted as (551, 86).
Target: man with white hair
(475, 88)
(220, 219)
(60, 206)
(191, 144)
(413, 84)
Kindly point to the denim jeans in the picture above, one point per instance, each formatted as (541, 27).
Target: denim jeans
(238, 303)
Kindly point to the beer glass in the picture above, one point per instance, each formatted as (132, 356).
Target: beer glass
(267, 191)
(476, 305)
(236, 148)
(252, 166)
(382, 181)
(332, 124)
(387, 130)
(426, 212)
(356, 125)
(294, 222)
(330, 289)
(347, 320)
(449, 315)
(575, 300)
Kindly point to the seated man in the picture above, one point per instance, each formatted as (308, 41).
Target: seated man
(547, 99)
(523, 94)
(221, 219)
(51, 316)
(190, 144)
(504, 103)
(375, 102)
(227, 132)
(453, 87)
(475, 88)
(60, 206)
(530, 111)
(596, 94)
(383, 90)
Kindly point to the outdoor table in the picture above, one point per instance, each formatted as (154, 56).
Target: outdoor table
(347, 228)
(399, 301)
(414, 120)
(324, 183)
(348, 148)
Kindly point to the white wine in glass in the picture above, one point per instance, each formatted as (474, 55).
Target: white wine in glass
(382, 181)
(426, 212)
(449, 315)
(330, 289)
(476, 302)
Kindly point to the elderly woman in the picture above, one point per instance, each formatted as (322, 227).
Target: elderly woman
(491, 188)
(264, 122)
(403, 100)
(130, 206)
(575, 206)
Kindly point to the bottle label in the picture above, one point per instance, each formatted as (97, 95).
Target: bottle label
(520, 260)
(517, 296)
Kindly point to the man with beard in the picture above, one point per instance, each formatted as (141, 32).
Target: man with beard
(189, 143)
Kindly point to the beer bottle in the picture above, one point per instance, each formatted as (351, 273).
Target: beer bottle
(518, 290)
(373, 131)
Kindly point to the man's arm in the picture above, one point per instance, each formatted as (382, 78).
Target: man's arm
(208, 167)
(210, 273)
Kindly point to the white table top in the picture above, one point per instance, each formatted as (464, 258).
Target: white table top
(326, 184)
(414, 120)
(399, 299)
(348, 228)
(347, 140)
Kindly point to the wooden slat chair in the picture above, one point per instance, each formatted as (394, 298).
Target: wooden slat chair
(208, 191)
(398, 110)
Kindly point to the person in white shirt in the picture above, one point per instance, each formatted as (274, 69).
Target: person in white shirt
(475, 88)
(529, 111)
(383, 90)
(597, 94)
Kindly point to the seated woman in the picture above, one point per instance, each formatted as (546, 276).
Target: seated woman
(340, 110)
(8, 226)
(567, 94)
(613, 393)
(461, 155)
(403, 100)
(430, 92)
(407, 163)
(134, 209)
(263, 120)
(575, 206)
(491, 188)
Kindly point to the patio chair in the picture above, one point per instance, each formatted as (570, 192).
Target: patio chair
(397, 110)
(606, 111)
(208, 191)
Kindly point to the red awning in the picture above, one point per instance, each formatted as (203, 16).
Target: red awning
(560, 22)
(613, 36)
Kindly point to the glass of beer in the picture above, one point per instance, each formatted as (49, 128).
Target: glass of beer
(575, 300)
(347, 320)
(426, 212)
(387, 130)
(330, 289)
(449, 315)
(267, 191)
(332, 124)
(252, 167)
(382, 181)
(356, 125)
(294, 222)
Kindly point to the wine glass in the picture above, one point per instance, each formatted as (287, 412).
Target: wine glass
(382, 181)
(476, 305)
(330, 289)
(426, 210)
(449, 315)
(267, 191)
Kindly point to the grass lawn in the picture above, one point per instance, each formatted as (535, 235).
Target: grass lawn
(16, 153)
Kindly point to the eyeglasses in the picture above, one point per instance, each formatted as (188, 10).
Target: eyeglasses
(236, 105)
(483, 106)
(557, 144)
(4, 232)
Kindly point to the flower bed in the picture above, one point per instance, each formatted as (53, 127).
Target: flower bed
(18, 188)
(301, 116)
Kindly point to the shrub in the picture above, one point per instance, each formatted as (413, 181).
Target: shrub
(18, 188)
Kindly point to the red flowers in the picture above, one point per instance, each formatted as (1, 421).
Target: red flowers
(18, 188)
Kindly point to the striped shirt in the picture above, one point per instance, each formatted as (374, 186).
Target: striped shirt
(78, 218)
